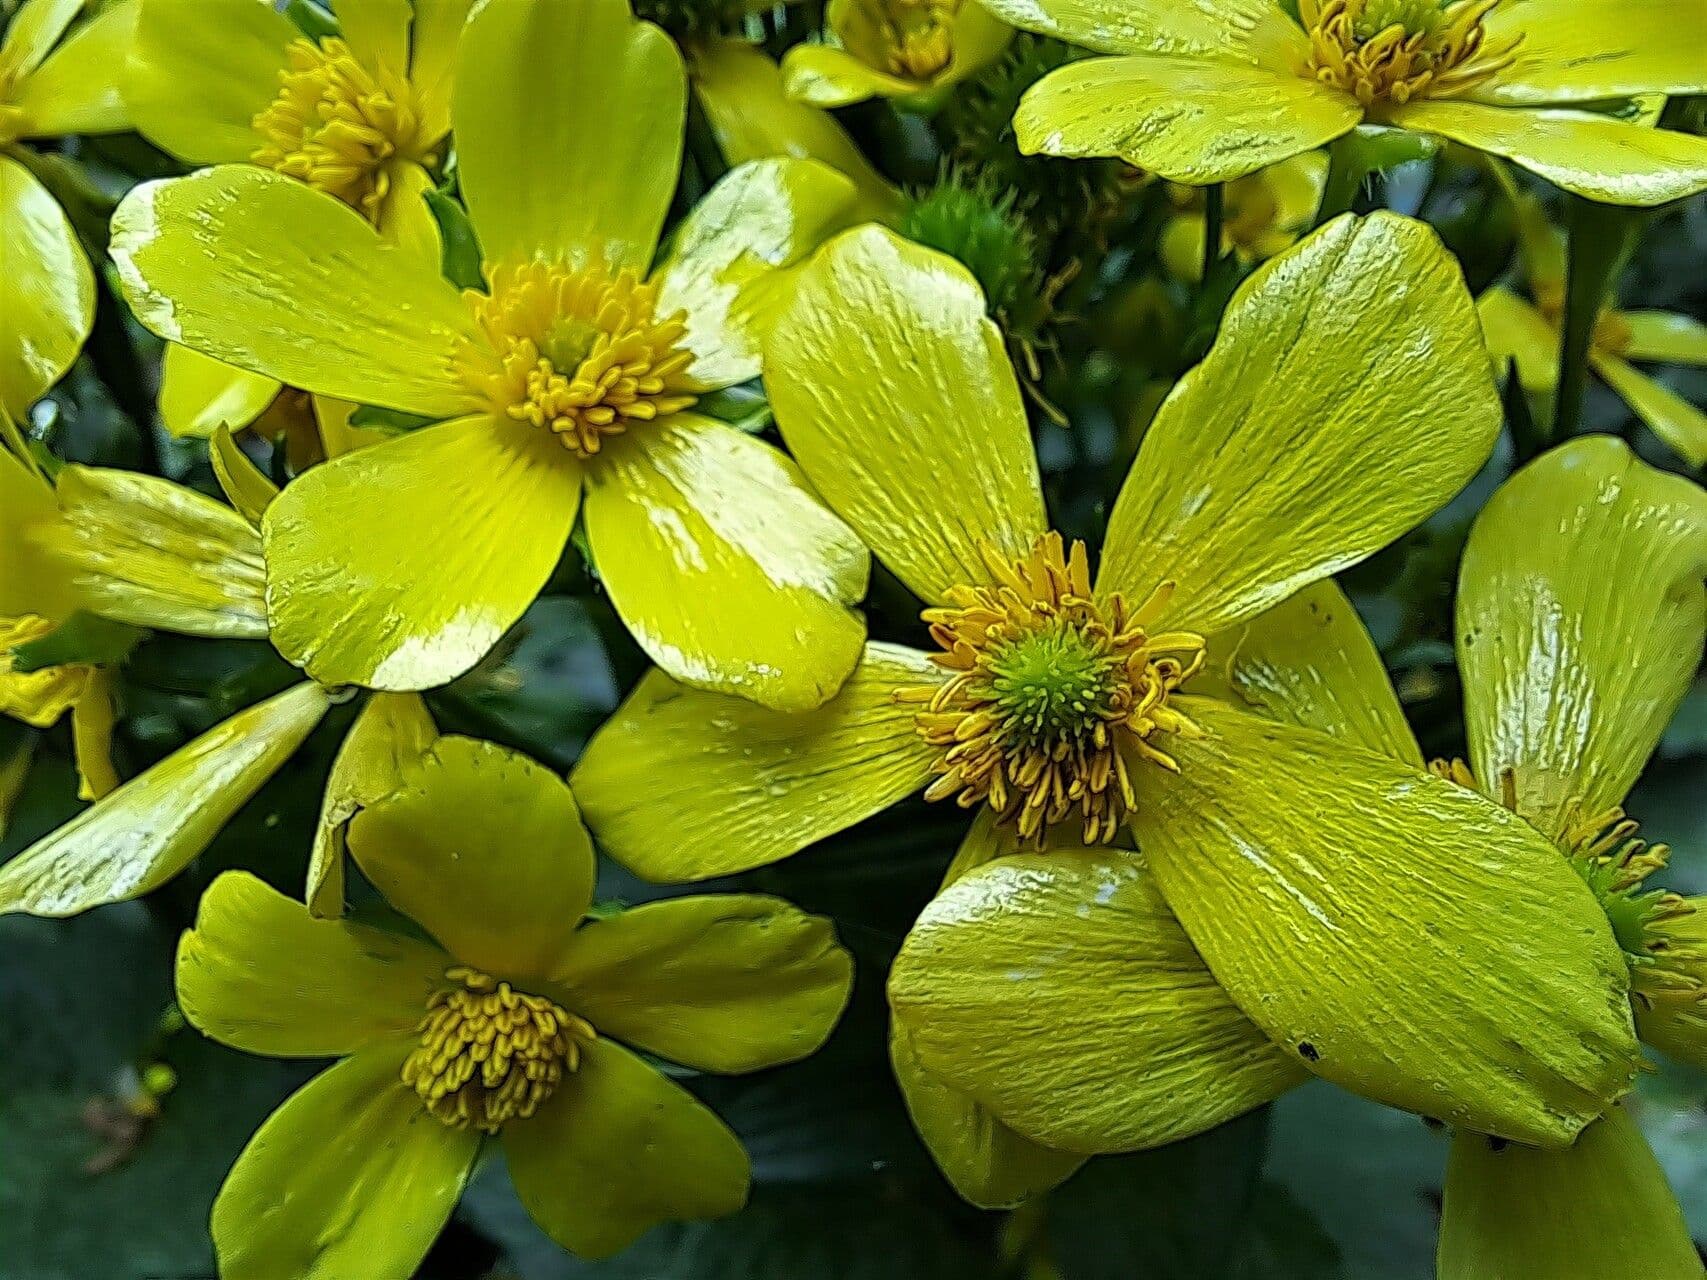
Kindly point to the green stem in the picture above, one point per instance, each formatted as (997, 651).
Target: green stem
(1214, 217)
(1346, 171)
(1601, 238)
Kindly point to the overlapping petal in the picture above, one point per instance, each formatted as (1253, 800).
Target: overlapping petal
(1516, 331)
(47, 292)
(1239, 30)
(198, 394)
(76, 90)
(1577, 52)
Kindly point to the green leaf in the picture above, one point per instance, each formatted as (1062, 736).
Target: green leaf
(743, 406)
(369, 415)
(312, 20)
(461, 256)
(81, 638)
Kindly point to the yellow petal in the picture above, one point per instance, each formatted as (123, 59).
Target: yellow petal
(611, 144)
(1185, 119)
(392, 731)
(47, 291)
(348, 1178)
(399, 566)
(432, 58)
(405, 219)
(1234, 29)
(31, 583)
(824, 76)
(1577, 52)
(77, 89)
(979, 38)
(92, 722)
(198, 394)
(727, 982)
(38, 698)
(258, 973)
(681, 785)
(724, 567)
(152, 827)
(1665, 336)
(377, 31)
(1588, 155)
(1580, 621)
(200, 71)
(618, 1149)
(1346, 397)
(1405, 937)
(248, 490)
(1058, 990)
(203, 262)
(1515, 330)
(894, 392)
(1667, 414)
(1601, 1208)
(35, 28)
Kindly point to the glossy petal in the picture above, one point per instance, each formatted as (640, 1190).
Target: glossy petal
(502, 898)
(1407, 938)
(47, 292)
(199, 394)
(894, 392)
(260, 974)
(619, 1149)
(682, 785)
(1594, 156)
(1346, 397)
(245, 486)
(611, 142)
(1234, 29)
(821, 75)
(1185, 119)
(1580, 620)
(1515, 330)
(202, 262)
(1058, 990)
(151, 828)
(1601, 1208)
(77, 89)
(33, 31)
(399, 566)
(30, 582)
(1667, 414)
(727, 982)
(725, 568)
(349, 1177)
(1665, 336)
(1577, 52)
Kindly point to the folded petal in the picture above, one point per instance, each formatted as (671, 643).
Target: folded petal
(1234, 29)
(822, 75)
(611, 142)
(202, 263)
(619, 1149)
(198, 394)
(77, 89)
(1595, 156)
(399, 566)
(1667, 414)
(1405, 937)
(1058, 990)
(1665, 336)
(47, 292)
(1347, 396)
(260, 974)
(894, 392)
(1577, 52)
(152, 827)
(1515, 330)
(1186, 119)
(725, 568)
(502, 898)
(350, 1177)
(245, 486)
(682, 785)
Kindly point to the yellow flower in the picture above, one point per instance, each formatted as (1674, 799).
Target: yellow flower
(573, 376)
(519, 1022)
(894, 49)
(1265, 212)
(1323, 882)
(49, 86)
(1207, 93)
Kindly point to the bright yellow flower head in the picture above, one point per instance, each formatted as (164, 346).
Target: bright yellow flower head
(1207, 93)
(894, 49)
(519, 1022)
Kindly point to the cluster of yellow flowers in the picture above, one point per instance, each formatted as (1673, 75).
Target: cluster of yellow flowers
(1207, 859)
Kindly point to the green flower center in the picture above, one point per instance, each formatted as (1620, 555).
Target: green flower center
(1055, 684)
(1417, 17)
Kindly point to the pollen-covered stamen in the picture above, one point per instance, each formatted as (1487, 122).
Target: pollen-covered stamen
(490, 1054)
(1050, 694)
(580, 352)
(917, 35)
(336, 123)
(1398, 50)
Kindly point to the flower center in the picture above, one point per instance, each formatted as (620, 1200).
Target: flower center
(336, 123)
(36, 697)
(1397, 50)
(581, 352)
(917, 35)
(490, 1054)
(1050, 692)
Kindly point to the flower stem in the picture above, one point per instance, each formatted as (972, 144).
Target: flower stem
(1214, 217)
(1601, 238)
(1347, 168)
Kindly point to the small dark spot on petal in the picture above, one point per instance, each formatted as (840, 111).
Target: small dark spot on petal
(1309, 1051)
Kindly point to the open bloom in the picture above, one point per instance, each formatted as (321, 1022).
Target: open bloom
(1346, 397)
(518, 1023)
(1207, 93)
(894, 49)
(567, 385)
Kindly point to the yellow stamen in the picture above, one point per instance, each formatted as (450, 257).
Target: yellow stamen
(917, 36)
(37, 698)
(1399, 50)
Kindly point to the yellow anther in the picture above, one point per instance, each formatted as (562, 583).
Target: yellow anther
(1395, 51)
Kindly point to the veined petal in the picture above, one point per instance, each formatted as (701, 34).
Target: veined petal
(349, 1177)
(727, 982)
(682, 785)
(1187, 119)
(1233, 29)
(1405, 937)
(1593, 156)
(611, 144)
(1665, 336)
(260, 974)
(1600, 1208)
(47, 292)
(1058, 990)
(153, 826)
(202, 263)
(199, 394)
(1346, 397)
(502, 898)
(35, 28)
(822, 75)
(618, 1149)
(1515, 330)
(76, 90)
(1581, 613)
(1577, 52)
(377, 31)
(399, 566)
(725, 568)
(894, 392)
(1667, 414)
